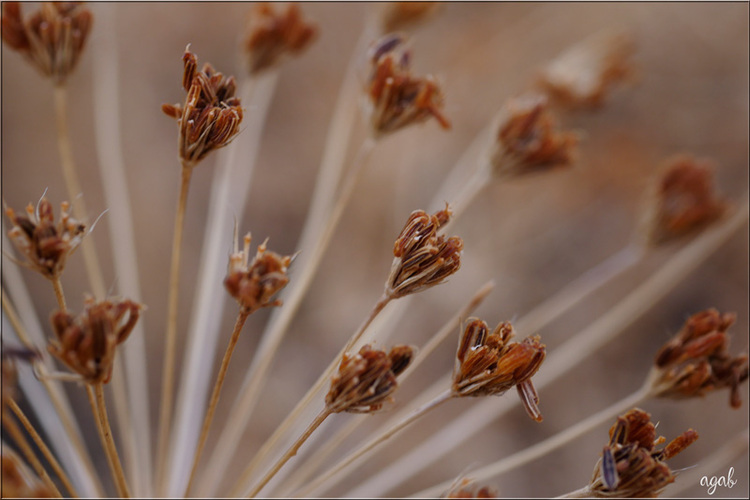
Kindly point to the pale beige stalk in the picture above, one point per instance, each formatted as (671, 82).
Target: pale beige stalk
(96, 399)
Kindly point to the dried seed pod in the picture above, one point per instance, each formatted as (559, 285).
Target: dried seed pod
(17, 481)
(696, 361)
(489, 364)
(365, 380)
(397, 16)
(51, 39)
(86, 343)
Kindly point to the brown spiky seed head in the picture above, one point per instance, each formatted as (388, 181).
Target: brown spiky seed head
(489, 364)
(583, 75)
(682, 200)
(211, 116)
(365, 380)
(422, 257)
(395, 98)
(527, 140)
(51, 38)
(397, 16)
(86, 343)
(17, 481)
(253, 284)
(44, 243)
(630, 465)
(272, 36)
(696, 361)
(467, 488)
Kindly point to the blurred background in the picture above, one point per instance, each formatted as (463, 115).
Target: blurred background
(532, 236)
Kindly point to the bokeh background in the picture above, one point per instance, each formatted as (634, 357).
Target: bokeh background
(531, 236)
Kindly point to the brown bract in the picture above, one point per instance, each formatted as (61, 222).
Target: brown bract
(253, 284)
(397, 99)
(682, 200)
(365, 380)
(697, 360)
(271, 36)
(528, 141)
(51, 38)
(467, 488)
(399, 15)
(45, 245)
(422, 257)
(86, 343)
(631, 466)
(489, 364)
(17, 481)
(211, 115)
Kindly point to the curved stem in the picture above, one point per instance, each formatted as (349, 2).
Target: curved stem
(107, 440)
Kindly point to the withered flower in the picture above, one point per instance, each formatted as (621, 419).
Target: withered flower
(17, 481)
(365, 380)
(45, 244)
(467, 488)
(697, 360)
(271, 36)
(527, 140)
(52, 38)
(211, 115)
(395, 98)
(86, 343)
(253, 284)
(489, 364)
(630, 466)
(682, 200)
(399, 15)
(422, 258)
(584, 74)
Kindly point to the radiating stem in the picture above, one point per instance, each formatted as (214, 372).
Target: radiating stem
(100, 408)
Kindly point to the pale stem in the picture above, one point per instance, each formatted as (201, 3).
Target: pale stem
(290, 452)
(474, 185)
(42, 447)
(59, 294)
(241, 318)
(100, 408)
(584, 492)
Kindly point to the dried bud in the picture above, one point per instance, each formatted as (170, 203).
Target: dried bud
(396, 99)
(422, 258)
(467, 488)
(52, 38)
(253, 284)
(86, 343)
(682, 200)
(399, 15)
(211, 115)
(584, 74)
(527, 140)
(489, 364)
(630, 467)
(271, 36)
(17, 481)
(365, 380)
(697, 361)
(44, 244)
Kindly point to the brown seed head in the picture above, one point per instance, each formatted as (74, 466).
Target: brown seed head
(397, 16)
(489, 364)
(17, 481)
(467, 488)
(396, 99)
(365, 380)
(86, 343)
(253, 284)
(45, 244)
(271, 36)
(697, 360)
(630, 466)
(211, 115)
(51, 38)
(422, 258)
(527, 140)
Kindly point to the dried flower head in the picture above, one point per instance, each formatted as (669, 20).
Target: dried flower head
(272, 35)
(696, 361)
(527, 140)
(17, 481)
(52, 38)
(584, 74)
(365, 380)
(86, 343)
(630, 465)
(489, 364)
(422, 258)
(396, 99)
(253, 284)
(211, 115)
(682, 200)
(45, 244)
(467, 488)
(399, 15)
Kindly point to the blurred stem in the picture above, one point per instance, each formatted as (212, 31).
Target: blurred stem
(98, 406)
(584, 492)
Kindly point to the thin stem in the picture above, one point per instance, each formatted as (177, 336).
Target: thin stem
(107, 440)
(584, 492)
(290, 452)
(59, 294)
(241, 318)
(42, 446)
